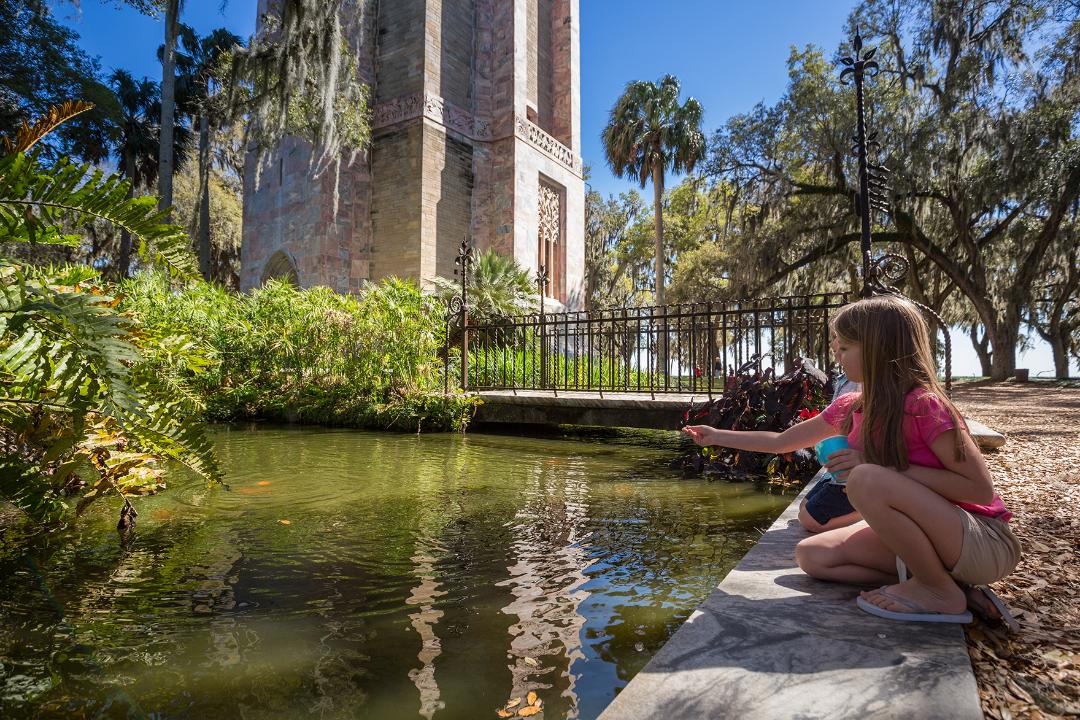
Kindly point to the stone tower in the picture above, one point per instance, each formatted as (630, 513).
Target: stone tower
(476, 130)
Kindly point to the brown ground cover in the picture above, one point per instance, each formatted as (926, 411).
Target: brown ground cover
(1034, 673)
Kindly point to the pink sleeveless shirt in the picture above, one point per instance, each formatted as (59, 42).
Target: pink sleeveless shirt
(925, 417)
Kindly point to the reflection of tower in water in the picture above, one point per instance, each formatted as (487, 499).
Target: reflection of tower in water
(424, 619)
(546, 581)
(424, 597)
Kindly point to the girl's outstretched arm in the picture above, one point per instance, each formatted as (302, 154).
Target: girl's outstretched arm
(798, 436)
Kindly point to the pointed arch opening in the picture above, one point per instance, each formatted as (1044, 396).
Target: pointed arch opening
(280, 266)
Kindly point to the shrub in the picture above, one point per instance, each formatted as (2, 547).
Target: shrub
(757, 400)
(311, 355)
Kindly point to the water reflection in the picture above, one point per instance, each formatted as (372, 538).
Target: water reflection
(546, 580)
(434, 577)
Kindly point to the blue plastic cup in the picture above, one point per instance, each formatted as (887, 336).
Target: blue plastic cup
(827, 447)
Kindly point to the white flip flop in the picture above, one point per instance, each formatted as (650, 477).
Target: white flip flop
(917, 614)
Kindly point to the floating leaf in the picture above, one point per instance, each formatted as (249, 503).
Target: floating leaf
(504, 713)
(531, 662)
(527, 711)
(531, 698)
(514, 703)
(263, 483)
(285, 522)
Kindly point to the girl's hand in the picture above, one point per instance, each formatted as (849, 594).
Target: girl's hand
(842, 461)
(701, 434)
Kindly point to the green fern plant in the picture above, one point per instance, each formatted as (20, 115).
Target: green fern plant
(81, 387)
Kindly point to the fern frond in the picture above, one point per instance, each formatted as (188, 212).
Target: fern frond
(36, 202)
(69, 359)
(28, 135)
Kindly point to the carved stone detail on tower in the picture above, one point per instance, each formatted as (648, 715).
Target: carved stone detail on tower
(550, 212)
(433, 107)
(535, 136)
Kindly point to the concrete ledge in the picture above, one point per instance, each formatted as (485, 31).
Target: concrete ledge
(772, 643)
(662, 412)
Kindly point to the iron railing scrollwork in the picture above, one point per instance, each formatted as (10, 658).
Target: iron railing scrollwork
(457, 308)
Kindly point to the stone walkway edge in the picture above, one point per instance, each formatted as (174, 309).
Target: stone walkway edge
(772, 643)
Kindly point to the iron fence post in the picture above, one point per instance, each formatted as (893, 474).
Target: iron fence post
(873, 195)
(541, 282)
(459, 305)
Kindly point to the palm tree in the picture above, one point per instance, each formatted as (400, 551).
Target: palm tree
(498, 287)
(647, 134)
(200, 71)
(168, 102)
(136, 145)
(137, 137)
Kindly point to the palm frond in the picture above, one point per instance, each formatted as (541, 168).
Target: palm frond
(68, 361)
(28, 135)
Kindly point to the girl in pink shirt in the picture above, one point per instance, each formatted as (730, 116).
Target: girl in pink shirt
(912, 472)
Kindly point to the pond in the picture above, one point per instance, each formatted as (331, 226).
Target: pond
(353, 574)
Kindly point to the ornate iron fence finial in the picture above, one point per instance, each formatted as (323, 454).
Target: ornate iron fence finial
(873, 191)
(459, 304)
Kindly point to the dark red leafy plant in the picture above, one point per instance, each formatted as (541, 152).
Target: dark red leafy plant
(755, 399)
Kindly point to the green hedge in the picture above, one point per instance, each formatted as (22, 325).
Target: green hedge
(313, 355)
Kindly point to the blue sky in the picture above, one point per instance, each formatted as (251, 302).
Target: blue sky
(729, 54)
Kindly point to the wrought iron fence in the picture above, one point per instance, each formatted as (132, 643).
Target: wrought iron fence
(689, 348)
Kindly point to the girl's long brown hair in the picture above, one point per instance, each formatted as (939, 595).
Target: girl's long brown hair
(896, 359)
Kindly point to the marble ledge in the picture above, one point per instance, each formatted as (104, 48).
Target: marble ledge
(772, 643)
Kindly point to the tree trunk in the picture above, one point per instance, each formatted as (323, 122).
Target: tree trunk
(1057, 340)
(658, 219)
(123, 263)
(168, 104)
(982, 348)
(205, 259)
(1004, 338)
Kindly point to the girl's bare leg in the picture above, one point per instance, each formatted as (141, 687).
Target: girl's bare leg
(917, 524)
(852, 554)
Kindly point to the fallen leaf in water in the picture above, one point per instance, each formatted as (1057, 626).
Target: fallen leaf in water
(539, 703)
(531, 698)
(513, 703)
(531, 661)
(504, 713)
(527, 711)
(285, 522)
(263, 483)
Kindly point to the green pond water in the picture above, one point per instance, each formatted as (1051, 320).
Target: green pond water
(347, 574)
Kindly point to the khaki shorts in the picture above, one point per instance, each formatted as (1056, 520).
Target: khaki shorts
(990, 550)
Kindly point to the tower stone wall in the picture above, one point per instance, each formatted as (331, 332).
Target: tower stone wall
(476, 109)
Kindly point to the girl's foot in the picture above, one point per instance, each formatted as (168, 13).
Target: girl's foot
(987, 605)
(949, 599)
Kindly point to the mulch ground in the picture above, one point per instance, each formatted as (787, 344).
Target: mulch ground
(1034, 673)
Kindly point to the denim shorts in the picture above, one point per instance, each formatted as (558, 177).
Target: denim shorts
(826, 501)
